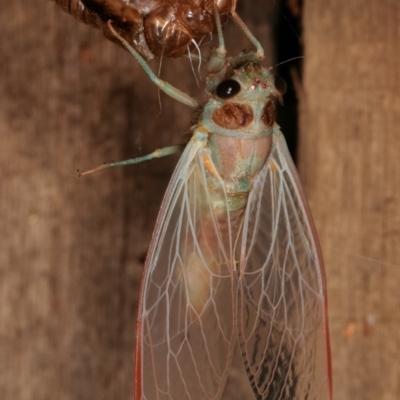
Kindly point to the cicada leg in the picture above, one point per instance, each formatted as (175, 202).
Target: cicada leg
(165, 151)
(221, 50)
(235, 17)
(170, 90)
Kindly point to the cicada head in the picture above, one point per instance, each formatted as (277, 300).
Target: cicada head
(241, 96)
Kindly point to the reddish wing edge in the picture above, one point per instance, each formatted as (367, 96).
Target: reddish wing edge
(185, 330)
(282, 321)
(283, 326)
(317, 249)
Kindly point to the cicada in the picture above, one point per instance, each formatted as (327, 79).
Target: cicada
(234, 259)
(161, 28)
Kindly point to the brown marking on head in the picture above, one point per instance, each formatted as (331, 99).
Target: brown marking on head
(268, 114)
(233, 116)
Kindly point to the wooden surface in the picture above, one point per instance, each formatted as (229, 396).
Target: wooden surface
(349, 162)
(72, 250)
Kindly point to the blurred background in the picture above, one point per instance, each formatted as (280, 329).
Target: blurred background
(72, 250)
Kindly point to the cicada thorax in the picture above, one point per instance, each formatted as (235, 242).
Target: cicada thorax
(240, 119)
(162, 28)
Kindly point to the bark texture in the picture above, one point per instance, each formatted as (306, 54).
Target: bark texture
(349, 162)
(72, 250)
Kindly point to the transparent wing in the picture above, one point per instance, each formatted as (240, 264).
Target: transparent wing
(282, 299)
(186, 319)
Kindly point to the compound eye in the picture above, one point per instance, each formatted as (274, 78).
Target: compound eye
(227, 89)
(280, 85)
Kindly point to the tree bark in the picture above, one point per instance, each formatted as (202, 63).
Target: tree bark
(349, 166)
(72, 251)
